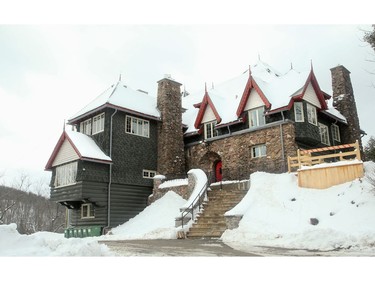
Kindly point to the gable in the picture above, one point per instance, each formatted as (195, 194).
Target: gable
(311, 96)
(254, 100)
(65, 154)
(209, 115)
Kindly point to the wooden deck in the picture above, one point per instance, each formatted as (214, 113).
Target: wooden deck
(314, 172)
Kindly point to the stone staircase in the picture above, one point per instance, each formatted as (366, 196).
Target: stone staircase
(221, 198)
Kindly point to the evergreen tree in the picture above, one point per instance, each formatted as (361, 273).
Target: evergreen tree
(370, 150)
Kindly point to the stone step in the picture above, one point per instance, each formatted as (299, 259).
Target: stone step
(217, 226)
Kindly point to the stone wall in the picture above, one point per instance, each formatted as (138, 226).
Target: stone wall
(183, 190)
(235, 152)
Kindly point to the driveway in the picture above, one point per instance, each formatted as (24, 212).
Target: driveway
(174, 248)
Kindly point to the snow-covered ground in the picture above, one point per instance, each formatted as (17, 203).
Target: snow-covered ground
(276, 213)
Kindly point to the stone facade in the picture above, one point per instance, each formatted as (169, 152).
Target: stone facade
(235, 151)
(344, 101)
(171, 160)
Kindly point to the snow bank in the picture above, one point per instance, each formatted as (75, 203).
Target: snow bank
(276, 212)
(47, 244)
(157, 221)
(172, 183)
(200, 181)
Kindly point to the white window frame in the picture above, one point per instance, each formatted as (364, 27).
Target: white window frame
(87, 211)
(258, 119)
(324, 134)
(209, 130)
(335, 132)
(137, 126)
(148, 174)
(298, 105)
(258, 151)
(98, 123)
(85, 127)
(311, 114)
(66, 174)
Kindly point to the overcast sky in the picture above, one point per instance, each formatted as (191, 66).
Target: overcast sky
(49, 72)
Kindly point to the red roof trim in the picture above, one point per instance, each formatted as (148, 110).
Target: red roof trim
(251, 84)
(202, 109)
(64, 136)
(319, 93)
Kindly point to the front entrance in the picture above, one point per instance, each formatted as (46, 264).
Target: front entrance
(218, 171)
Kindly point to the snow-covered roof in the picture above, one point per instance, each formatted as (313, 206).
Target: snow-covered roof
(86, 146)
(123, 97)
(82, 146)
(278, 89)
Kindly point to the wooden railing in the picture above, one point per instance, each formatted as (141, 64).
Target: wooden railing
(305, 157)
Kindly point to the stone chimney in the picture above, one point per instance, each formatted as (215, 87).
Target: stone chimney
(343, 101)
(171, 156)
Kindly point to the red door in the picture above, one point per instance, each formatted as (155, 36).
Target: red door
(218, 171)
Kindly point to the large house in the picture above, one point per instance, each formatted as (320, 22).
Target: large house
(103, 169)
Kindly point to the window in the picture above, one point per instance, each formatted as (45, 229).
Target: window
(324, 137)
(98, 124)
(147, 174)
(311, 114)
(209, 130)
(256, 117)
(87, 211)
(136, 126)
(298, 112)
(66, 174)
(86, 127)
(335, 132)
(258, 151)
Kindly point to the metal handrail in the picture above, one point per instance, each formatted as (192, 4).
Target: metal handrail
(193, 204)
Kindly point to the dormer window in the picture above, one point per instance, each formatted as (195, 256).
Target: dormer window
(298, 112)
(209, 130)
(256, 117)
(324, 136)
(311, 114)
(335, 133)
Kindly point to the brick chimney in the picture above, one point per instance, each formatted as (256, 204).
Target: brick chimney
(344, 101)
(171, 156)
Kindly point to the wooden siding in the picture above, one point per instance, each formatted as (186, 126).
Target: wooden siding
(66, 154)
(253, 101)
(97, 193)
(329, 176)
(311, 97)
(208, 115)
(127, 201)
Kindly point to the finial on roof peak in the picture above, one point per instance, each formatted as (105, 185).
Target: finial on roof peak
(291, 65)
(249, 70)
(205, 87)
(119, 79)
(311, 63)
(258, 56)
(64, 126)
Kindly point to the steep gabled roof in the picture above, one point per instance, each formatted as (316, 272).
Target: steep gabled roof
(251, 84)
(84, 147)
(277, 92)
(202, 109)
(124, 98)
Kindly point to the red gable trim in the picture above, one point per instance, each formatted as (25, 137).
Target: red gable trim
(319, 93)
(64, 136)
(251, 84)
(202, 109)
(56, 150)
